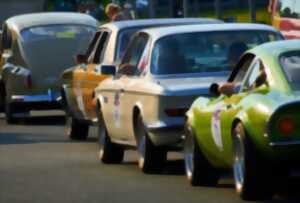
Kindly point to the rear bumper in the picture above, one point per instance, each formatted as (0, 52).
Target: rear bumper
(166, 133)
(36, 102)
(287, 153)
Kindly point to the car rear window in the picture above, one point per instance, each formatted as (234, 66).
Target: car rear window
(290, 63)
(204, 52)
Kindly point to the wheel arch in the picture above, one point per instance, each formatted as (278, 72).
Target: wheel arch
(136, 111)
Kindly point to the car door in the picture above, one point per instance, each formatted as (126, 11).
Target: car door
(89, 77)
(232, 106)
(129, 75)
(215, 123)
(93, 75)
(79, 75)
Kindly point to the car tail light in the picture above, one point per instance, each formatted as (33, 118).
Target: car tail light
(286, 126)
(29, 81)
(179, 112)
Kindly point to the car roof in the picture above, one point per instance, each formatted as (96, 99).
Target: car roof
(118, 25)
(20, 22)
(276, 48)
(164, 31)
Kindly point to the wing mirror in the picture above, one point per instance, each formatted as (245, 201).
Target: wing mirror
(108, 69)
(80, 59)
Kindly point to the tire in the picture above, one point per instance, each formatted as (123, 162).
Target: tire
(75, 129)
(109, 153)
(151, 158)
(198, 170)
(253, 176)
(9, 113)
(2, 97)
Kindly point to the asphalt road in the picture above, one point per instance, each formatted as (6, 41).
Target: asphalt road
(39, 164)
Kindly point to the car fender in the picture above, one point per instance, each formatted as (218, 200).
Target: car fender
(99, 101)
(256, 129)
(138, 106)
(200, 102)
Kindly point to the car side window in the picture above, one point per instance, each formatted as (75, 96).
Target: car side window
(92, 44)
(100, 50)
(133, 55)
(256, 77)
(6, 38)
(241, 70)
(92, 47)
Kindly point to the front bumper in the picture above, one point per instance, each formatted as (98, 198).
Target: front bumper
(166, 133)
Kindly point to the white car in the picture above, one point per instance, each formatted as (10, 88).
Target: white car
(162, 72)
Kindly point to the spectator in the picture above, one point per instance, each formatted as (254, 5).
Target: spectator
(128, 11)
(115, 13)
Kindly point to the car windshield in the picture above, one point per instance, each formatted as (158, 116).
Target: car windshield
(289, 8)
(204, 52)
(45, 45)
(290, 63)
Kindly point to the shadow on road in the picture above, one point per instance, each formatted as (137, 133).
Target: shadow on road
(174, 167)
(37, 138)
(42, 120)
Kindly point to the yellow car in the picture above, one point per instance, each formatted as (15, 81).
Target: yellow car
(105, 51)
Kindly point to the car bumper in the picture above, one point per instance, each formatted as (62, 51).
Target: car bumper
(166, 133)
(37, 102)
(285, 152)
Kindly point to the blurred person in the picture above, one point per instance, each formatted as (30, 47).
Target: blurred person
(128, 11)
(115, 13)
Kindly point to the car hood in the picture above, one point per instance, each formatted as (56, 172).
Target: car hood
(189, 85)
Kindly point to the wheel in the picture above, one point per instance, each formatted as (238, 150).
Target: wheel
(75, 129)
(9, 113)
(109, 153)
(198, 170)
(151, 158)
(252, 175)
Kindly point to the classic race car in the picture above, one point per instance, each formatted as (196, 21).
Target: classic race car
(105, 49)
(252, 127)
(35, 49)
(162, 72)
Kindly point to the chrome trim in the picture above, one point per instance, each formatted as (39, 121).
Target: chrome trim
(286, 143)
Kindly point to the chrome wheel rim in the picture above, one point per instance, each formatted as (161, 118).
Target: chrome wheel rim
(189, 147)
(68, 125)
(141, 142)
(239, 162)
(101, 137)
(141, 150)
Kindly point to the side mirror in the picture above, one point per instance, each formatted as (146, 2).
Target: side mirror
(80, 59)
(127, 69)
(214, 90)
(108, 70)
(228, 89)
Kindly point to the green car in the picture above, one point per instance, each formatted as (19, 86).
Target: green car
(250, 124)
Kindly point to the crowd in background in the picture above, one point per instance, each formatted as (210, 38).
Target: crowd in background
(112, 11)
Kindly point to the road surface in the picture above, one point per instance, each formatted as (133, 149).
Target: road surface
(39, 164)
